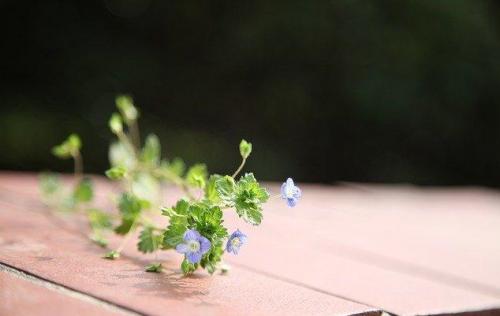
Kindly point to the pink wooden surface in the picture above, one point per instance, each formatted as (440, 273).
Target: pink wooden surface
(343, 250)
(19, 296)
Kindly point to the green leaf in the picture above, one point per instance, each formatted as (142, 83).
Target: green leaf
(249, 198)
(130, 208)
(69, 148)
(152, 151)
(121, 155)
(153, 267)
(146, 187)
(112, 255)
(99, 239)
(177, 166)
(125, 226)
(245, 149)
(129, 205)
(211, 193)
(115, 124)
(99, 219)
(175, 231)
(49, 183)
(125, 104)
(207, 220)
(211, 260)
(188, 268)
(84, 191)
(197, 176)
(178, 223)
(149, 240)
(116, 173)
(226, 188)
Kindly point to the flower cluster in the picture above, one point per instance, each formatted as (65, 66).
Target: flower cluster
(195, 223)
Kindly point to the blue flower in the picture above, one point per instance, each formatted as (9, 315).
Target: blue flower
(290, 192)
(236, 240)
(194, 246)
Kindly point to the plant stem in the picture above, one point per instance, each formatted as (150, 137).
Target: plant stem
(127, 237)
(135, 135)
(243, 161)
(78, 160)
(177, 181)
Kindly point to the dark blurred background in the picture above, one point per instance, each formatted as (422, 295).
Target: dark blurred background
(377, 91)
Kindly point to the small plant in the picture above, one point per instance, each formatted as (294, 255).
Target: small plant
(195, 223)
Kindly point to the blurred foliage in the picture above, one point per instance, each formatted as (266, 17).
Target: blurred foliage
(326, 90)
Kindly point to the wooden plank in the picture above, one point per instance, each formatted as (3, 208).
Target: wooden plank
(396, 256)
(401, 249)
(20, 296)
(32, 242)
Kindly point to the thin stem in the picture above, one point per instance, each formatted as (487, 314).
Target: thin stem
(78, 160)
(124, 139)
(181, 183)
(127, 237)
(240, 167)
(135, 135)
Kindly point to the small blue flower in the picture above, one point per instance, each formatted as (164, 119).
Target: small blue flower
(194, 246)
(236, 240)
(290, 192)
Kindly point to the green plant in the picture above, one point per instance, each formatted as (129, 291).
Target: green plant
(195, 223)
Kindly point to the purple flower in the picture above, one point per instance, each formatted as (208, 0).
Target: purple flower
(236, 240)
(194, 246)
(290, 192)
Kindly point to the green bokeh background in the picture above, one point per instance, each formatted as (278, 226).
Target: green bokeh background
(377, 91)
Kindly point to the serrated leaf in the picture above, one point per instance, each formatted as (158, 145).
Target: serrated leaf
(226, 187)
(178, 223)
(211, 193)
(84, 191)
(130, 207)
(197, 176)
(116, 173)
(175, 231)
(112, 255)
(149, 240)
(152, 150)
(188, 268)
(125, 226)
(245, 149)
(99, 219)
(249, 198)
(211, 260)
(154, 267)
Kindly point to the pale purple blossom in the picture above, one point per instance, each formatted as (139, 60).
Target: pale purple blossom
(235, 241)
(194, 246)
(290, 192)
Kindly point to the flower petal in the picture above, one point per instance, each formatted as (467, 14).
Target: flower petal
(291, 202)
(193, 257)
(229, 246)
(191, 234)
(243, 239)
(181, 248)
(297, 192)
(283, 190)
(205, 245)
